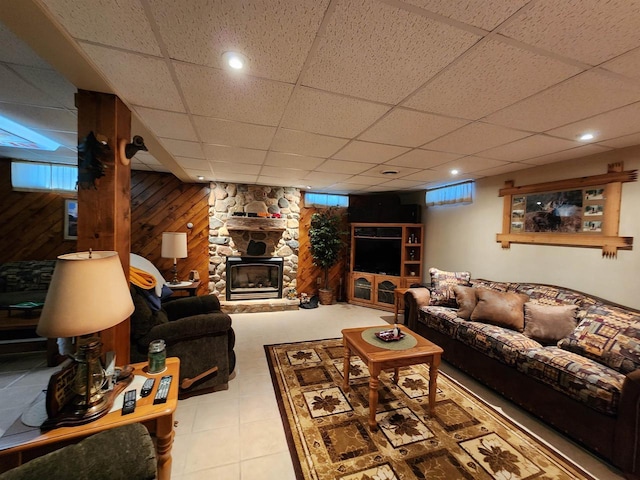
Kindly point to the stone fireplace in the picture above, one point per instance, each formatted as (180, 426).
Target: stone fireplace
(252, 222)
(251, 278)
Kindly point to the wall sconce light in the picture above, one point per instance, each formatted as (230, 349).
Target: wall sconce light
(128, 150)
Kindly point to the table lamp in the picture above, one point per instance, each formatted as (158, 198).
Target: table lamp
(88, 293)
(174, 245)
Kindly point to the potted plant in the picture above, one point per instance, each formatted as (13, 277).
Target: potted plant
(326, 242)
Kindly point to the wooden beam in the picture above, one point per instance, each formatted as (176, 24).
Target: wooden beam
(104, 212)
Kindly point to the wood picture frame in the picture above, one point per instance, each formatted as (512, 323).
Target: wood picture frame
(580, 212)
(70, 219)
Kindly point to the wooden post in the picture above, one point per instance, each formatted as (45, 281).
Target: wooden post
(104, 213)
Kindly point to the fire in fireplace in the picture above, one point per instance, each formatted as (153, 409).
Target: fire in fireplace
(254, 277)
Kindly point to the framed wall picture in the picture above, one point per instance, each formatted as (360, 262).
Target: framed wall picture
(71, 219)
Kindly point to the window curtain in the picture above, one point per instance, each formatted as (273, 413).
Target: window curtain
(451, 194)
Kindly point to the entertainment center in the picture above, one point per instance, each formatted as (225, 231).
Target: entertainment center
(384, 256)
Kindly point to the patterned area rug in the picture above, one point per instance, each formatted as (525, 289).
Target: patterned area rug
(329, 437)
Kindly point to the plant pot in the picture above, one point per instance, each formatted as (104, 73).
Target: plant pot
(326, 296)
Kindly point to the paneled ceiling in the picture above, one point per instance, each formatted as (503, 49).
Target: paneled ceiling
(335, 92)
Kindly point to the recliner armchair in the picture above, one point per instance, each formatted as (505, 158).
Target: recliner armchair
(194, 330)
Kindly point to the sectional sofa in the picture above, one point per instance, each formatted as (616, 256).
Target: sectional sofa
(571, 359)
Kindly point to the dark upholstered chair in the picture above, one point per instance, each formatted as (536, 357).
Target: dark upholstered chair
(123, 452)
(195, 330)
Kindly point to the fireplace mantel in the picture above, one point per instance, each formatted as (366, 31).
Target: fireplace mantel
(256, 224)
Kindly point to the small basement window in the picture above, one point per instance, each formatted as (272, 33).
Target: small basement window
(325, 200)
(43, 177)
(458, 193)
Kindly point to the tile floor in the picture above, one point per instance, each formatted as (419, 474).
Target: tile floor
(237, 434)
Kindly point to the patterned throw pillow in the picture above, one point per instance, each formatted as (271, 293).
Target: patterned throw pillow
(609, 335)
(442, 284)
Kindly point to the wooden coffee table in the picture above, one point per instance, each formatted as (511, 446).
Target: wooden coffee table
(380, 358)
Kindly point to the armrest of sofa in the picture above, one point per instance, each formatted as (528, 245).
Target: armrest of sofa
(414, 298)
(123, 452)
(189, 306)
(188, 328)
(627, 438)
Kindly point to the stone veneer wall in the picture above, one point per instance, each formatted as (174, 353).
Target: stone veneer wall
(227, 198)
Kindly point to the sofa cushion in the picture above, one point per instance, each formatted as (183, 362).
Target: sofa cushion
(549, 323)
(608, 334)
(442, 284)
(499, 308)
(490, 285)
(466, 300)
(497, 342)
(442, 319)
(579, 377)
(551, 295)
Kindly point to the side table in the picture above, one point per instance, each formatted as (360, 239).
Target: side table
(26, 444)
(190, 287)
(398, 303)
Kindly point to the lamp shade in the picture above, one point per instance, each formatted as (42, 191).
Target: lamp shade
(174, 245)
(88, 293)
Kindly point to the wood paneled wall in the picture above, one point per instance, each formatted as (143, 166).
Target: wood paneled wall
(308, 273)
(162, 203)
(31, 223)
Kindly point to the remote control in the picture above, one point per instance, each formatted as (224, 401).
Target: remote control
(129, 403)
(163, 390)
(147, 387)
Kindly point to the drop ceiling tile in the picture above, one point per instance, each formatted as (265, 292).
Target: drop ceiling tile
(56, 119)
(376, 51)
(627, 64)
(234, 167)
(274, 36)
(16, 90)
(377, 170)
(325, 113)
(346, 187)
(235, 178)
(305, 143)
(492, 76)
(287, 160)
(146, 158)
(51, 83)
(529, 147)
(182, 148)
(16, 52)
(409, 128)
(366, 180)
(469, 164)
(234, 154)
(66, 139)
(575, 99)
(326, 177)
(138, 79)
(232, 96)
(343, 166)
(485, 14)
(119, 24)
(224, 132)
(139, 166)
(506, 168)
(369, 152)
(168, 124)
(281, 182)
(581, 151)
(591, 31)
(419, 158)
(621, 142)
(283, 172)
(383, 187)
(616, 123)
(401, 184)
(192, 163)
(475, 137)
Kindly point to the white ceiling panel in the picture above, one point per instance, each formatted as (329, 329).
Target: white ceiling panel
(622, 142)
(410, 128)
(627, 64)
(325, 177)
(591, 31)
(383, 61)
(234, 167)
(140, 80)
(419, 158)
(287, 160)
(353, 168)
(168, 124)
(224, 132)
(182, 148)
(491, 77)
(56, 119)
(51, 83)
(305, 143)
(222, 153)
(235, 178)
(475, 137)
(529, 147)
(15, 52)
(325, 113)
(580, 97)
(369, 152)
(377, 171)
(15, 90)
(193, 163)
(583, 151)
(469, 165)
(276, 45)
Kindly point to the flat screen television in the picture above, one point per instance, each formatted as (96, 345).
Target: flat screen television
(378, 255)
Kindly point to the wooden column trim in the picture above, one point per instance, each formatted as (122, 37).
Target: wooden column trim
(104, 213)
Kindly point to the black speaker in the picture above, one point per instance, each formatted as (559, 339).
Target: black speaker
(410, 213)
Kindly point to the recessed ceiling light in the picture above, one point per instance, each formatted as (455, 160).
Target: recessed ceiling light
(454, 172)
(389, 172)
(235, 60)
(200, 177)
(587, 136)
